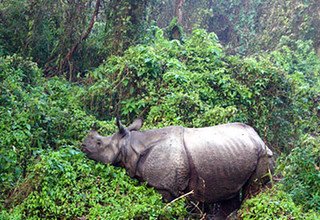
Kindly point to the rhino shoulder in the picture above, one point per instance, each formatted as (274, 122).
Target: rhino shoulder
(165, 164)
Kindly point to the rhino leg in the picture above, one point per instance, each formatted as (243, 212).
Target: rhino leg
(228, 206)
(166, 195)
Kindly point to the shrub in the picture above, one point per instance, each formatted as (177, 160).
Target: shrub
(142, 78)
(35, 114)
(66, 185)
(17, 78)
(274, 204)
(42, 173)
(301, 171)
(302, 66)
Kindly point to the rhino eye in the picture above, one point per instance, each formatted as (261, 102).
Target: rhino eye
(99, 143)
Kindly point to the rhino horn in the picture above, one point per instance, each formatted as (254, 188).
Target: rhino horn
(122, 129)
(94, 126)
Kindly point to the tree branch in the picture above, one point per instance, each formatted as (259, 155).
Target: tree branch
(84, 35)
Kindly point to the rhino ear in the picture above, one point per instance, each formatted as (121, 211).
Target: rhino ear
(136, 125)
(122, 129)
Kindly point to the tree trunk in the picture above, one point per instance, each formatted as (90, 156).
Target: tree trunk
(178, 10)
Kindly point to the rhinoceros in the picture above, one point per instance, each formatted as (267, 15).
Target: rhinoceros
(215, 163)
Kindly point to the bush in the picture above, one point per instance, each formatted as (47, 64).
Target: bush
(65, 185)
(274, 204)
(35, 114)
(42, 173)
(268, 107)
(14, 214)
(302, 66)
(301, 171)
(17, 78)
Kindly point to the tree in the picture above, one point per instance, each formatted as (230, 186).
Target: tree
(125, 22)
(68, 58)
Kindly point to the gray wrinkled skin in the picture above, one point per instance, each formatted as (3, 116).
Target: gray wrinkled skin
(215, 162)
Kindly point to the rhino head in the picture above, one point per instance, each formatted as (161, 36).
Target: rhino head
(107, 149)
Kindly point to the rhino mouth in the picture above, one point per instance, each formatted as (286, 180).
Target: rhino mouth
(84, 149)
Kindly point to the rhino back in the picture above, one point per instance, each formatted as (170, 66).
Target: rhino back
(223, 158)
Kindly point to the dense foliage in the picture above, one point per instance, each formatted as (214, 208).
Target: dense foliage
(43, 174)
(301, 174)
(274, 204)
(48, 31)
(36, 114)
(61, 37)
(167, 82)
(190, 81)
(64, 184)
(247, 26)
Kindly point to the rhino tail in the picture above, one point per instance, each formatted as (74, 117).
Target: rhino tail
(261, 175)
(271, 160)
(269, 152)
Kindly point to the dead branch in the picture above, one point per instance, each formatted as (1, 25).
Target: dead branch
(176, 199)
